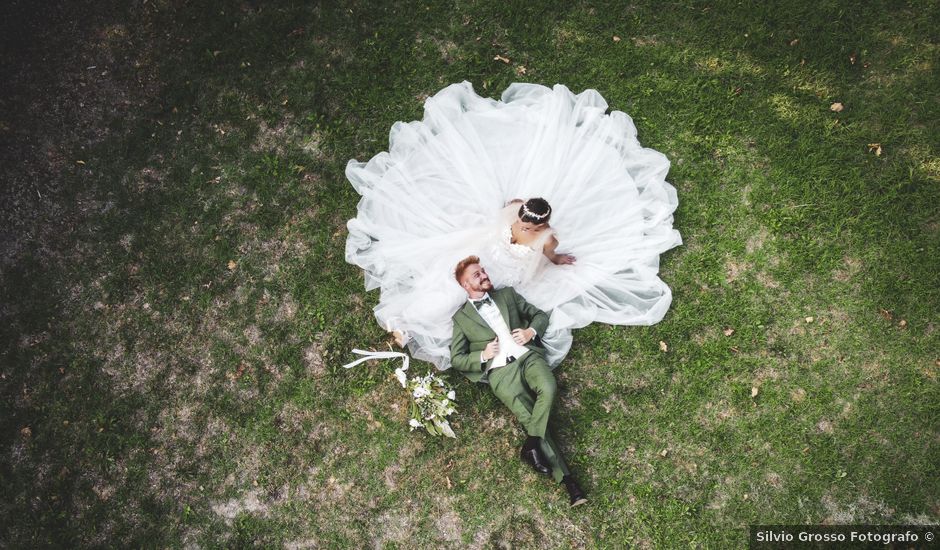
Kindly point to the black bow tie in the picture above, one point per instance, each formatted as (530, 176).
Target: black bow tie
(479, 303)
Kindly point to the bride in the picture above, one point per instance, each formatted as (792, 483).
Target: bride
(443, 192)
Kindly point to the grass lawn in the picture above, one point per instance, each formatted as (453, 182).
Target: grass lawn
(175, 305)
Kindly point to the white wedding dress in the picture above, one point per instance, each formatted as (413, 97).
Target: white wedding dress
(439, 195)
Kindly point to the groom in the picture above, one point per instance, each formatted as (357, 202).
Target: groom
(496, 341)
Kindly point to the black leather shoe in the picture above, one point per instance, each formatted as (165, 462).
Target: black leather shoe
(575, 495)
(534, 457)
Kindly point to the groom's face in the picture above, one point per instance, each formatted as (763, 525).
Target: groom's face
(476, 280)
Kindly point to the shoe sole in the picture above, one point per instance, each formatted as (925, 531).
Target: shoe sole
(579, 502)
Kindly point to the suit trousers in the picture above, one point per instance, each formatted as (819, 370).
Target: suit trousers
(527, 386)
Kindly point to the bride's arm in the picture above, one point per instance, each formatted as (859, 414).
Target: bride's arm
(556, 258)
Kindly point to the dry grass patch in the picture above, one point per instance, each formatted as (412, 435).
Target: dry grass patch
(249, 503)
(862, 510)
(849, 270)
(734, 269)
(756, 241)
(284, 136)
(712, 415)
(313, 358)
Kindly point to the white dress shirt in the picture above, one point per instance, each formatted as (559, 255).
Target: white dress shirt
(507, 346)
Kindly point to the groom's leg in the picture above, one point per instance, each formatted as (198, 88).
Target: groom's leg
(552, 454)
(528, 388)
(540, 380)
(509, 386)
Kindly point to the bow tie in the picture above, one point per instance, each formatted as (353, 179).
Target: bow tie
(480, 303)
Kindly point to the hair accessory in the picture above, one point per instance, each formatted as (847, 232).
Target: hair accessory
(530, 214)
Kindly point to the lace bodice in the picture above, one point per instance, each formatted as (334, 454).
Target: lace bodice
(511, 264)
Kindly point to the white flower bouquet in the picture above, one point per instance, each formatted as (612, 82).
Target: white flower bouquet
(432, 399)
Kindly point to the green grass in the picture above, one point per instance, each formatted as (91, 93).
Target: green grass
(172, 397)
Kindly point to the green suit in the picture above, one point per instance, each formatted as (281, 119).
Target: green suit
(527, 385)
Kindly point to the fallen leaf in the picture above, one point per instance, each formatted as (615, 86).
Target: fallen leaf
(238, 373)
(664, 452)
(231, 264)
(809, 319)
(795, 41)
(449, 485)
(501, 58)
(875, 148)
(80, 162)
(886, 314)
(26, 431)
(852, 59)
(729, 331)
(902, 323)
(746, 496)
(836, 107)
(616, 38)
(662, 346)
(754, 391)
(521, 70)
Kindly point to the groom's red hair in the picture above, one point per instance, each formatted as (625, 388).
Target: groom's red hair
(462, 266)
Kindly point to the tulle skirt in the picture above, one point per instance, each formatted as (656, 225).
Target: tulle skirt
(437, 195)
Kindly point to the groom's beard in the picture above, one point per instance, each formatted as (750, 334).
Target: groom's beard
(482, 286)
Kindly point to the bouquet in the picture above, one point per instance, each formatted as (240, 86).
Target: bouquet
(432, 399)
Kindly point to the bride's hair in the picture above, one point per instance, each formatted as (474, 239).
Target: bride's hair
(536, 211)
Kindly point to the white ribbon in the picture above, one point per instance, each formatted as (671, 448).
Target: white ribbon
(370, 355)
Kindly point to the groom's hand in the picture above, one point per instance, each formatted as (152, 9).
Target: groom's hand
(523, 335)
(491, 350)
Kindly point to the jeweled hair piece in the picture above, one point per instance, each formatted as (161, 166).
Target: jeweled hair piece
(530, 214)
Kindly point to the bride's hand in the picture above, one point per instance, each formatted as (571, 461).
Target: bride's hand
(564, 259)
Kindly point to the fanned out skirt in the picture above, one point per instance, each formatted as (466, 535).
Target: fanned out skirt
(436, 196)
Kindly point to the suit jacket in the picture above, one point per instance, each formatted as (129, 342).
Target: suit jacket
(472, 334)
